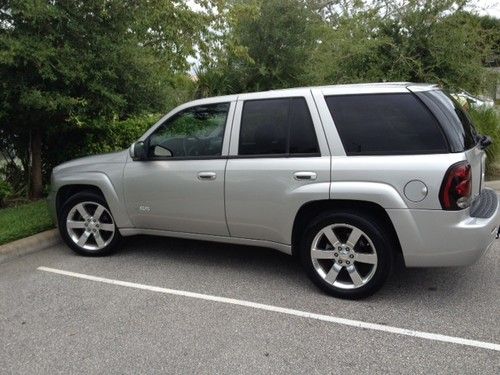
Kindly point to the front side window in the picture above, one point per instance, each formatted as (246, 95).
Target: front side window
(385, 124)
(194, 132)
(277, 127)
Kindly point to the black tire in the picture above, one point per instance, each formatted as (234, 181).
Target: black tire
(379, 237)
(89, 198)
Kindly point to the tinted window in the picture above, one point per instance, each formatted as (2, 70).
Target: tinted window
(277, 127)
(385, 124)
(302, 135)
(457, 125)
(196, 131)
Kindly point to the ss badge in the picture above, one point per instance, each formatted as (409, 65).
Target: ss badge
(144, 208)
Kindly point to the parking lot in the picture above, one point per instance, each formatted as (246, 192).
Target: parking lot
(168, 305)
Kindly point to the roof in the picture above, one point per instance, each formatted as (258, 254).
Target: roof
(345, 89)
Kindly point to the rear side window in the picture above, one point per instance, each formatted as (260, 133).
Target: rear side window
(277, 127)
(385, 124)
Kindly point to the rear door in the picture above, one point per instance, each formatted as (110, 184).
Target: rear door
(278, 160)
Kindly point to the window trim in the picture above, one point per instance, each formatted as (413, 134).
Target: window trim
(280, 155)
(226, 134)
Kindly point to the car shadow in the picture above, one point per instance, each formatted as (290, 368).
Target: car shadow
(404, 284)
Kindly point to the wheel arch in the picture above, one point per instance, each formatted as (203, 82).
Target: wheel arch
(314, 208)
(97, 183)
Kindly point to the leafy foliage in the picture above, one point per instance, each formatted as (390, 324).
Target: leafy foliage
(64, 63)
(487, 122)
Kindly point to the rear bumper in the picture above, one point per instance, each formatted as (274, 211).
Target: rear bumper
(436, 238)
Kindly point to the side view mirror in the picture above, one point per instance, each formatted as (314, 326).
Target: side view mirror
(485, 141)
(138, 151)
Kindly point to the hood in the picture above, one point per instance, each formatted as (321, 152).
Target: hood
(119, 157)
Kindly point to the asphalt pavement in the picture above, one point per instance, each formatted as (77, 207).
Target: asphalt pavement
(133, 312)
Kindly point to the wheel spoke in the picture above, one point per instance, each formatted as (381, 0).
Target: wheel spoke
(331, 276)
(331, 236)
(81, 209)
(98, 239)
(366, 258)
(355, 276)
(98, 212)
(75, 224)
(354, 236)
(107, 227)
(83, 238)
(322, 254)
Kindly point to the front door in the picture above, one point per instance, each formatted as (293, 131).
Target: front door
(181, 186)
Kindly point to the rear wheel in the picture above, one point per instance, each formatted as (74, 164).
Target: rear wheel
(346, 254)
(87, 225)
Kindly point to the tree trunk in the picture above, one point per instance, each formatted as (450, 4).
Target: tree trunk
(36, 164)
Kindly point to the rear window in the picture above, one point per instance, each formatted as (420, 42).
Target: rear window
(385, 124)
(457, 125)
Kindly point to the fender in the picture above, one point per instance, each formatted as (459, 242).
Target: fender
(382, 194)
(103, 182)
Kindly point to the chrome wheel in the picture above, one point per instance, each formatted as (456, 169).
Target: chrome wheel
(344, 256)
(90, 226)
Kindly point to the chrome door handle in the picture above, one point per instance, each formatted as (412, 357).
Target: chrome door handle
(207, 175)
(305, 175)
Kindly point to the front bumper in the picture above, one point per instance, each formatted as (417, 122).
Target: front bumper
(437, 238)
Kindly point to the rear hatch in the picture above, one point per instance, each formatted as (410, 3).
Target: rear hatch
(459, 131)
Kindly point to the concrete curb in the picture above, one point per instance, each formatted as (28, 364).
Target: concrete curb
(30, 244)
(495, 184)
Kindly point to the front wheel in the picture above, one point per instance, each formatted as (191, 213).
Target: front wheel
(346, 254)
(87, 226)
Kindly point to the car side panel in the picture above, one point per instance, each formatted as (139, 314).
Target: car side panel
(263, 198)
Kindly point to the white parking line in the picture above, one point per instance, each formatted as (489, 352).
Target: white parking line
(284, 310)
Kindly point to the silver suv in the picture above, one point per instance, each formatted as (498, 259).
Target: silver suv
(343, 177)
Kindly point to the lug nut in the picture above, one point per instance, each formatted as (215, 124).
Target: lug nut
(347, 262)
(351, 256)
(335, 254)
(340, 262)
(347, 248)
(340, 248)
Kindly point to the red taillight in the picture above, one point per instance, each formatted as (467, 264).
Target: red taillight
(457, 187)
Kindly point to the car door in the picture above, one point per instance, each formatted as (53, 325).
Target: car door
(278, 161)
(180, 187)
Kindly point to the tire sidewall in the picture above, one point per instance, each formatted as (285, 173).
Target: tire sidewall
(63, 214)
(377, 235)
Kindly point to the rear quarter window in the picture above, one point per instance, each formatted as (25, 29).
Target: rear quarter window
(456, 123)
(385, 124)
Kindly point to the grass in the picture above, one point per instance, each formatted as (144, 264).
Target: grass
(23, 221)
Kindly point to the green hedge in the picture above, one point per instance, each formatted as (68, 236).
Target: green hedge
(93, 138)
(487, 122)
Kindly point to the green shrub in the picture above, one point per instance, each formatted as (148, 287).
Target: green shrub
(93, 138)
(487, 122)
(5, 191)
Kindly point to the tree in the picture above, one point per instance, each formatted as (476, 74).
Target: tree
(261, 45)
(64, 62)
